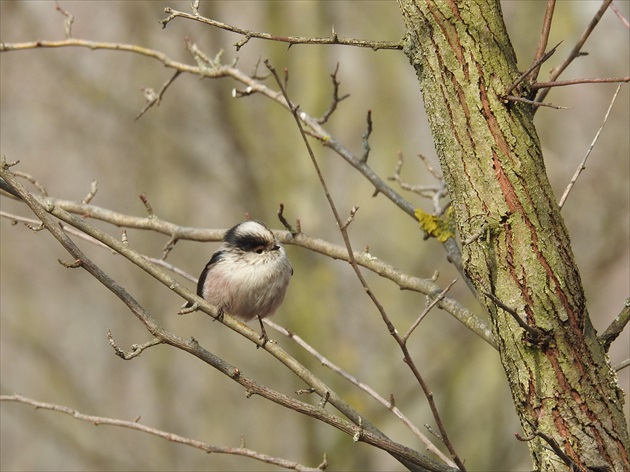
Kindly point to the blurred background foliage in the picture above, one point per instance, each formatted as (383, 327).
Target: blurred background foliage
(206, 159)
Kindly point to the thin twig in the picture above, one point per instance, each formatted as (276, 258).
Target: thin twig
(622, 365)
(616, 327)
(292, 40)
(426, 311)
(68, 229)
(564, 83)
(92, 193)
(209, 448)
(582, 165)
(156, 98)
(543, 39)
(68, 21)
(536, 333)
(147, 205)
(533, 103)
(534, 66)
(136, 349)
(554, 446)
(576, 51)
(427, 191)
(285, 223)
(336, 99)
(365, 139)
(362, 386)
(623, 19)
(38, 185)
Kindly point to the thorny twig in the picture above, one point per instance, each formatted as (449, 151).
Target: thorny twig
(576, 51)
(291, 40)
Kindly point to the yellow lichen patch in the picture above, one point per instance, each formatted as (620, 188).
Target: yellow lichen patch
(436, 227)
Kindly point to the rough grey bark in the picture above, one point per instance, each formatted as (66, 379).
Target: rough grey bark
(564, 390)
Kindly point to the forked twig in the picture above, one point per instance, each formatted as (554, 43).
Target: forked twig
(533, 67)
(576, 51)
(156, 98)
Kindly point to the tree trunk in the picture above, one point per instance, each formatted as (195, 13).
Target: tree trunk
(518, 250)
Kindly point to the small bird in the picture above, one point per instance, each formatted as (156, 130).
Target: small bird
(248, 275)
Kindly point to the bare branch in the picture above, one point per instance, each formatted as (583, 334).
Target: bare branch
(362, 386)
(535, 333)
(426, 311)
(30, 222)
(209, 448)
(563, 83)
(576, 51)
(343, 228)
(543, 39)
(156, 98)
(364, 259)
(616, 327)
(582, 165)
(370, 433)
(533, 67)
(334, 39)
(253, 86)
(533, 103)
(336, 99)
(623, 19)
(136, 349)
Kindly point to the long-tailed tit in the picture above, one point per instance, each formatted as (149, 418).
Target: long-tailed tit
(248, 275)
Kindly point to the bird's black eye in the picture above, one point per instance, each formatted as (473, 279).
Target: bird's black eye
(259, 250)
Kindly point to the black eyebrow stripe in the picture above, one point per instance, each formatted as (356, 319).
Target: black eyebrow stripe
(249, 242)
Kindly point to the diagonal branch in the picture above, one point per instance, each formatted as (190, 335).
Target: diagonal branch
(582, 165)
(616, 327)
(577, 49)
(543, 39)
(343, 228)
(366, 432)
(362, 386)
(564, 83)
